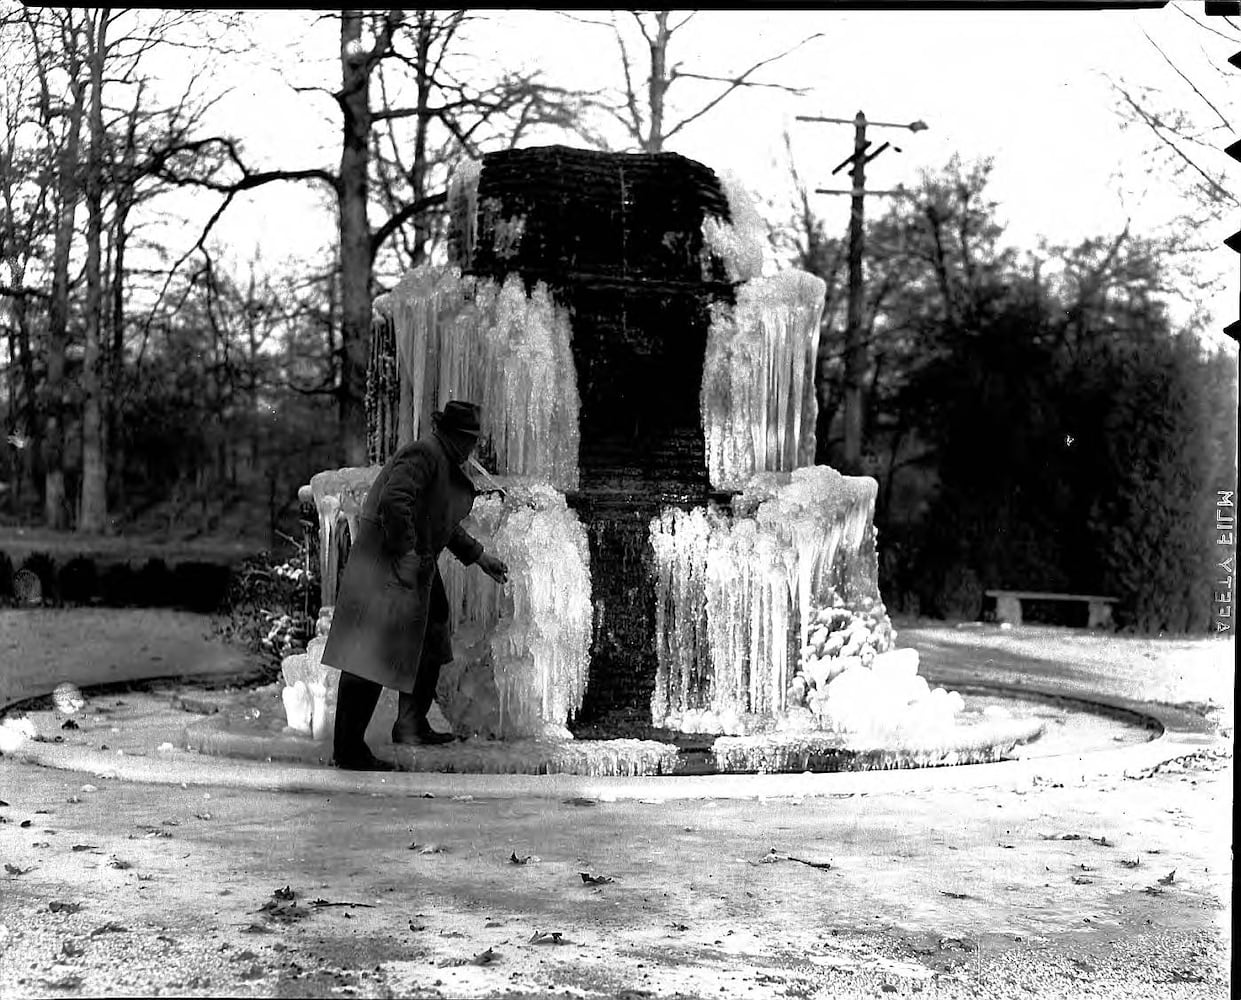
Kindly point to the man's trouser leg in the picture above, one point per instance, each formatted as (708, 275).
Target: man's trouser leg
(356, 699)
(411, 721)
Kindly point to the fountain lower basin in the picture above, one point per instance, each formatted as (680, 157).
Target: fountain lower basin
(993, 726)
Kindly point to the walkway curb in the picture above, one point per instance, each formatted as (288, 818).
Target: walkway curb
(181, 767)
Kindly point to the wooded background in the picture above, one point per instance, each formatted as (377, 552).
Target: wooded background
(1034, 417)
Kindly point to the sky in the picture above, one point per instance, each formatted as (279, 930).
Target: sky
(1029, 89)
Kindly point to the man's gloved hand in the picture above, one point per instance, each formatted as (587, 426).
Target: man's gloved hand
(495, 568)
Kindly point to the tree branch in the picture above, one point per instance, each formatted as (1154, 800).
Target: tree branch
(404, 215)
(741, 80)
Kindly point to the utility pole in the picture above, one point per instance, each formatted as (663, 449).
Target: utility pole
(855, 348)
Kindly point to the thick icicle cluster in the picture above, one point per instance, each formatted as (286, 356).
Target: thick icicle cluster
(309, 693)
(758, 400)
(463, 207)
(732, 595)
(533, 633)
(467, 338)
(338, 496)
(739, 243)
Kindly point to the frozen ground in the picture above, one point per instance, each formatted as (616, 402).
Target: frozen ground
(1104, 887)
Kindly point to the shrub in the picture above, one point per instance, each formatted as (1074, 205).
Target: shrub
(271, 606)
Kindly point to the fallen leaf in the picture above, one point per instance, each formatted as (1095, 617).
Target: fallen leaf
(25, 824)
(426, 848)
(1007, 847)
(1169, 878)
(1130, 864)
(1102, 841)
(417, 927)
(1085, 867)
(679, 927)
(547, 937)
(529, 859)
(70, 982)
(146, 878)
(595, 879)
(485, 957)
(78, 848)
(72, 799)
(14, 870)
(56, 906)
(120, 865)
(954, 895)
(3, 803)
(111, 927)
(1082, 880)
(579, 801)
(285, 893)
(202, 815)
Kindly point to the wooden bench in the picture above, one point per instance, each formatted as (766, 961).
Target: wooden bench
(1008, 605)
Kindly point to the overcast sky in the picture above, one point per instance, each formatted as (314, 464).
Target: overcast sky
(1030, 89)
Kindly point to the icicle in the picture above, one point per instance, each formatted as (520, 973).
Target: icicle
(467, 338)
(758, 402)
(463, 204)
(537, 627)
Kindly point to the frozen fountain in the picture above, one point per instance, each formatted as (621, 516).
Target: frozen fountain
(648, 404)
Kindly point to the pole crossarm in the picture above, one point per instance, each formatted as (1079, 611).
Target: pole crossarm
(917, 126)
(899, 192)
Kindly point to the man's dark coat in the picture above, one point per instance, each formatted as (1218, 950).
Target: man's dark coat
(391, 601)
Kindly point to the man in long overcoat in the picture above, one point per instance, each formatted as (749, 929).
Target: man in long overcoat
(390, 625)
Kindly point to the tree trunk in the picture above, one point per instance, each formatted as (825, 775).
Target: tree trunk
(418, 171)
(55, 508)
(658, 83)
(94, 499)
(355, 239)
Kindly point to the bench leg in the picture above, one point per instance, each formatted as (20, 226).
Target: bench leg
(1008, 609)
(1099, 614)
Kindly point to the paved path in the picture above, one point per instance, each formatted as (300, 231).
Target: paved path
(1045, 878)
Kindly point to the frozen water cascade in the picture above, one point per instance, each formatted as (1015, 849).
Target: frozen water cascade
(524, 649)
(737, 598)
(610, 314)
(462, 337)
(338, 497)
(758, 401)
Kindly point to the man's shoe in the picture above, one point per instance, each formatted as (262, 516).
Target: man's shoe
(423, 736)
(362, 760)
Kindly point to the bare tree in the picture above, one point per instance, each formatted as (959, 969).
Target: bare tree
(396, 46)
(642, 108)
(61, 99)
(1189, 133)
